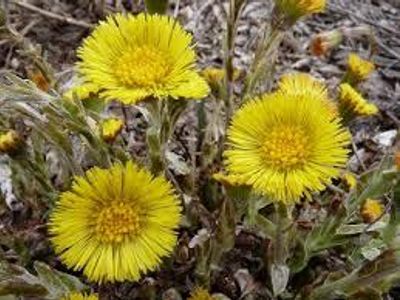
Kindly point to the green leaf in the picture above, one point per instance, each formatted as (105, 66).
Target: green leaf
(96, 105)
(367, 294)
(8, 297)
(299, 255)
(351, 229)
(279, 278)
(49, 283)
(56, 282)
(15, 280)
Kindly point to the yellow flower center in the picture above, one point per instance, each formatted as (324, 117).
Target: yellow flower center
(116, 222)
(142, 67)
(286, 147)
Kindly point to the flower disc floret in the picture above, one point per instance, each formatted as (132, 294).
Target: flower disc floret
(286, 147)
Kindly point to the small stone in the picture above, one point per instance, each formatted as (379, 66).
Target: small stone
(386, 138)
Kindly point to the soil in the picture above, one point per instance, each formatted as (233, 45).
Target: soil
(58, 40)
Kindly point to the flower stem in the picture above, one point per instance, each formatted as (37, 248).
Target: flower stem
(155, 146)
(279, 253)
(279, 270)
(230, 45)
(264, 60)
(162, 116)
(235, 7)
(156, 6)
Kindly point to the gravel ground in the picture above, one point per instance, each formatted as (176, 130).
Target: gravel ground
(47, 26)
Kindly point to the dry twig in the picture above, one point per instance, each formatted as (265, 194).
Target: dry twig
(52, 15)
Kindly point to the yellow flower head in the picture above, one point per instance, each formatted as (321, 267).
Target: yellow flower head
(10, 141)
(350, 180)
(359, 69)
(229, 180)
(200, 294)
(304, 85)
(110, 128)
(286, 146)
(371, 210)
(78, 296)
(134, 57)
(295, 9)
(115, 224)
(351, 103)
(82, 92)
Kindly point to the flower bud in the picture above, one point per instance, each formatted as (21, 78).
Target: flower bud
(110, 129)
(371, 210)
(350, 180)
(323, 42)
(358, 69)
(10, 142)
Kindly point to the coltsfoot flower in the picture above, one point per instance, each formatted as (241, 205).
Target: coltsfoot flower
(131, 58)
(115, 224)
(304, 85)
(295, 9)
(371, 210)
(286, 145)
(358, 69)
(200, 294)
(78, 296)
(352, 104)
(110, 128)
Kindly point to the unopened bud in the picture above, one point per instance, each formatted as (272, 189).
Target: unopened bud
(10, 142)
(200, 294)
(358, 69)
(325, 41)
(111, 128)
(372, 210)
(350, 180)
(39, 79)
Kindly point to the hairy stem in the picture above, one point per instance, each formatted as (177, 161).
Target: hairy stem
(156, 6)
